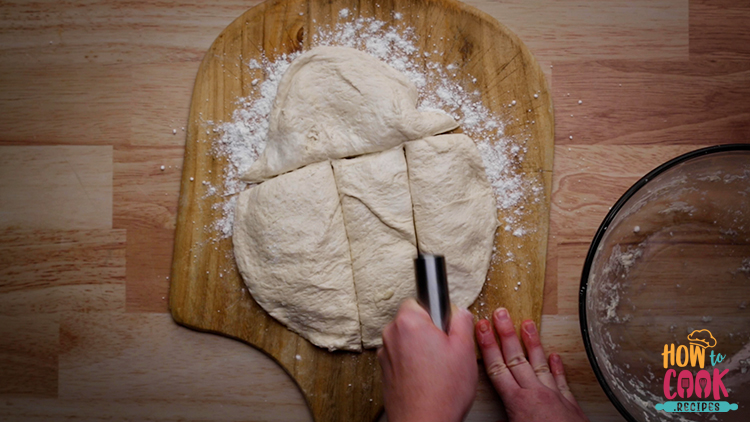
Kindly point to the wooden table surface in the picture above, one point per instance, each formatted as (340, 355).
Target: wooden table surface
(92, 91)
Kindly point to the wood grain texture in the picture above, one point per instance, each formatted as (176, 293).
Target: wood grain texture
(92, 354)
(568, 30)
(150, 252)
(56, 187)
(633, 102)
(206, 292)
(107, 32)
(720, 29)
(168, 408)
(77, 104)
(28, 358)
(48, 272)
(585, 186)
(125, 367)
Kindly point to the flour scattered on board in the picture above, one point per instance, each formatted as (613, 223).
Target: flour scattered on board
(242, 140)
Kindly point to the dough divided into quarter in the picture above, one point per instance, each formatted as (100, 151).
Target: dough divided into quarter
(454, 210)
(374, 190)
(336, 102)
(291, 248)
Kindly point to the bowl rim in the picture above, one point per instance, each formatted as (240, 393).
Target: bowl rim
(600, 232)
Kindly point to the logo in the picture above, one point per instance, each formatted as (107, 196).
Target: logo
(691, 388)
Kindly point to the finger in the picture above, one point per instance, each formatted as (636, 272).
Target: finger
(389, 343)
(410, 307)
(512, 351)
(494, 363)
(412, 318)
(556, 365)
(455, 311)
(537, 358)
(385, 362)
(461, 327)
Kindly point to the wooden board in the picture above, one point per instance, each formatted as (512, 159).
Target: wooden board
(203, 296)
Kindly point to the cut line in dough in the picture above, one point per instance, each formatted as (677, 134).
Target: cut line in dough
(459, 218)
(377, 213)
(326, 243)
(328, 249)
(292, 251)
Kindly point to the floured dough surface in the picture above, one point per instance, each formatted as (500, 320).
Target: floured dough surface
(374, 192)
(336, 102)
(292, 251)
(454, 210)
(351, 186)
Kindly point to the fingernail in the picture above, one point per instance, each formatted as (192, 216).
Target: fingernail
(501, 314)
(555, 358)
(484, 326)
(529, 328)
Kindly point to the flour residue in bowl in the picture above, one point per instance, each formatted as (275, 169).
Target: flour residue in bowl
(610, 287)
(675, 258)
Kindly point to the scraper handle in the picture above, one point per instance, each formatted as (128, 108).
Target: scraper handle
(432, 288)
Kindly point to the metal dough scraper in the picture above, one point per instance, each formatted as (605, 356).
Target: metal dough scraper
(432, 288)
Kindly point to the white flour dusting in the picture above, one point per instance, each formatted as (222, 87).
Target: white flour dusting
(610, 287)
(678, 206)
(242, 139)
(745, 267)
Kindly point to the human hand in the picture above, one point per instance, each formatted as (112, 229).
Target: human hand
(531, 390)
(427, 374)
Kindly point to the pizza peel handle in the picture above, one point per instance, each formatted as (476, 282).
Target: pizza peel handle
(432, 288)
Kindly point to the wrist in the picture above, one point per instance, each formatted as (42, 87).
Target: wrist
(426, 416)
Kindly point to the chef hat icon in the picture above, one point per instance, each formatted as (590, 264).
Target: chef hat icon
(702, 338)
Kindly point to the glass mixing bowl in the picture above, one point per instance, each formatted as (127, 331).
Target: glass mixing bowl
(672, 258)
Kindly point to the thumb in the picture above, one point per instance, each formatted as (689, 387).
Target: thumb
(410, 307)
(462, 326)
